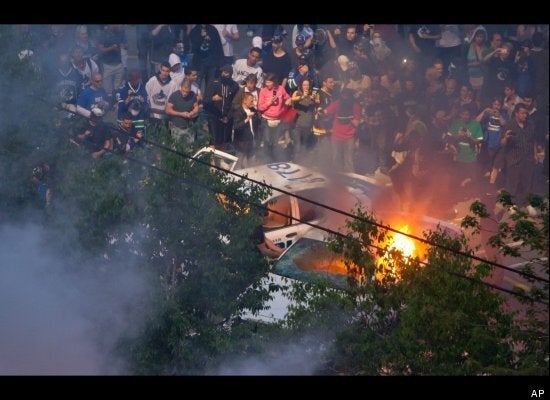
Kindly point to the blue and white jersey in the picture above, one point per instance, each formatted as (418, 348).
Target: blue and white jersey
(67, 86)
(138, 100)
(89, 98)
(493, 131)
(295, 80)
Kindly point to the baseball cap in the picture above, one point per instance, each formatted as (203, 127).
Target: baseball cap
(302, 60)
(257, 42)
(300, 39)
(277, 39)
(174, 59)
(343, 61)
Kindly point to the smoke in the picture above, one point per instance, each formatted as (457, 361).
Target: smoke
(304, 356)
(60, 318)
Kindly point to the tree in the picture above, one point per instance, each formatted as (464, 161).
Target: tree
(530, 334)
(208, 266)
(167, 222)
(427, 319)
(25, 122)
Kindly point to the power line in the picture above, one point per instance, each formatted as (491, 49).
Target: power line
(331, 231)
(338, 211)
(347, 214)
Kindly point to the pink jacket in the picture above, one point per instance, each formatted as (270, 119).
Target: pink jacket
(275, 110)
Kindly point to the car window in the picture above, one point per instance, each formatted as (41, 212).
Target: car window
(309, 211)
(217, 158)
(309, 260)
(275, 220)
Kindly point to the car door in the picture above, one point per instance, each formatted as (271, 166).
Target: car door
(280, 227)
(217, 158)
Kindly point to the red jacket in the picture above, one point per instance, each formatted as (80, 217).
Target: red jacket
(342, 128)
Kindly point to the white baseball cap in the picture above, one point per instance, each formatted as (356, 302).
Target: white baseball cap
(174, 59)
(257, 42)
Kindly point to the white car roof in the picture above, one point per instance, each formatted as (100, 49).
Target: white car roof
(292, 178)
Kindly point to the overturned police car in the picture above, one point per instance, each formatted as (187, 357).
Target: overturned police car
(290, 212)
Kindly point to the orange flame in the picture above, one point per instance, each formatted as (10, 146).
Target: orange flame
(388, 263)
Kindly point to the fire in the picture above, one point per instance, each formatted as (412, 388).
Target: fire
(231, 205)
(388, 263)
(323, 262)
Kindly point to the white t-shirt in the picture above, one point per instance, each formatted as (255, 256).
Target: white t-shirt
(227, 42)
(241, 70)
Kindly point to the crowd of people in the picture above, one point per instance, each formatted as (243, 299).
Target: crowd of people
(446, 111)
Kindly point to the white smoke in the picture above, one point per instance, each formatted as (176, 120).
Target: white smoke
(304, 356)
(58, 318)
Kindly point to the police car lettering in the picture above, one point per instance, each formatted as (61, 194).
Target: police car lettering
(277, 166)
(284, 174)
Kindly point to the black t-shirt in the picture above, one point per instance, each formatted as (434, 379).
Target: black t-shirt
(96, 140)
(182, 104)
(280, 66)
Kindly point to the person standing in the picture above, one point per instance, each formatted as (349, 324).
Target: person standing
(207, 52)
(162, 40)
(245, 125)
(217, 103)
(305, 101)
(321, 124)
(228, 34)
(518, 141)
(94, 96)
(347, 116)
(159, 88)
(249, 65)
(109, 45)
(182, 107)
(271, 103)
(132, 98)
(466, 138)
(277, 61)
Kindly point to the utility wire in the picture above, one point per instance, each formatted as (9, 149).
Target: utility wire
(328, 230)
(347, 214)
(325, 206)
